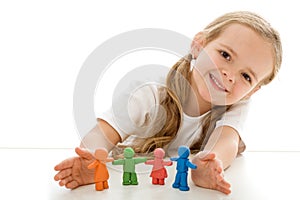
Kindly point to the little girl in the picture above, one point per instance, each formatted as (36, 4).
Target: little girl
(202, 106)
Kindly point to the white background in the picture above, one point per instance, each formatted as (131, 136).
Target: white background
(43, 45)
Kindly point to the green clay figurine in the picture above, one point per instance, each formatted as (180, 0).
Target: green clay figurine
(129, 175)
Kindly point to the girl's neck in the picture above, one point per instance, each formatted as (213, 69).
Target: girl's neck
(196, 105)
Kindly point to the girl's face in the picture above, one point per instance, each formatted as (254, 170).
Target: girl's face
(230, 68)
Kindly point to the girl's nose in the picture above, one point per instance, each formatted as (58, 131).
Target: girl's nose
(228, 76)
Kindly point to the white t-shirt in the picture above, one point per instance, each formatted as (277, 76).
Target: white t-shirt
(133, 114)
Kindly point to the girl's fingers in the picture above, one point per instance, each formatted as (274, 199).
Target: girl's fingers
(223, 189)
(205, 156)
(224, 184)
(84, 153)
(219, 178)
(72, 185)
(63, 174)
(219, 169)
(64, 164)
(70, 161)
(66, 181)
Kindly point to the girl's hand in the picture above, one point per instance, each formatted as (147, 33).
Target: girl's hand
(73, 172)
(209, 173)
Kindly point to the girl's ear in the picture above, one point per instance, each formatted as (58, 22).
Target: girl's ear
(197, 44)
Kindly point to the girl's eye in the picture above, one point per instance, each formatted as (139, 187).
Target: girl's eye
(246, 77)
(226, 55)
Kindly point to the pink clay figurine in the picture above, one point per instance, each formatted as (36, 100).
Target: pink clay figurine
(159, 172)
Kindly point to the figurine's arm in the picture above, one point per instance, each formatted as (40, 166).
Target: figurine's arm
(93, 165)
(109, 160)
(118, 162)
(167, 163)
(191, 165)
(174, 159)
(139, 160)
(149, 162)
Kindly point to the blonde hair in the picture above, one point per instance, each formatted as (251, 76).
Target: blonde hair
(176, 91)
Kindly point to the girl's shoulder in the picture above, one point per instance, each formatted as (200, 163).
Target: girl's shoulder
(144, 97)
(243, 104)
(235, 116)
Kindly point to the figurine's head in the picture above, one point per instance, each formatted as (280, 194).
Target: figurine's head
(101, 154)
(159, 153)
(183, 152)
(128, 152)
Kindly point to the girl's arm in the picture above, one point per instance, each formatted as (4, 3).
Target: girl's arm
(102, 135)
(224, 143)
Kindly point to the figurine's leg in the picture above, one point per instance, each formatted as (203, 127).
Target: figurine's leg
(126, 178)
(161, 181)
(134, 180)
(177, 180)
(105, 185)
(183, 182)
(99, 186)
(154, 181)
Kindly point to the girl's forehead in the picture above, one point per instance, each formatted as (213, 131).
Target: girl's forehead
(239, 33)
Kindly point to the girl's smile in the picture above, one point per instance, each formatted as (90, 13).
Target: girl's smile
(218, 85)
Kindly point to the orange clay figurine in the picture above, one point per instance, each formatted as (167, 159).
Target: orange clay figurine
(159, 172)
(101, 172)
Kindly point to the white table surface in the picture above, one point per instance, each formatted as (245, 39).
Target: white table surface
(28, 174)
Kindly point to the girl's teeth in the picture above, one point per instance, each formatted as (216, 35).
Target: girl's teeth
(217, 82)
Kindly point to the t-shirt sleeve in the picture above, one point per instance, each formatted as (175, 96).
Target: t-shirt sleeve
(235, 117)
(132, 113)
